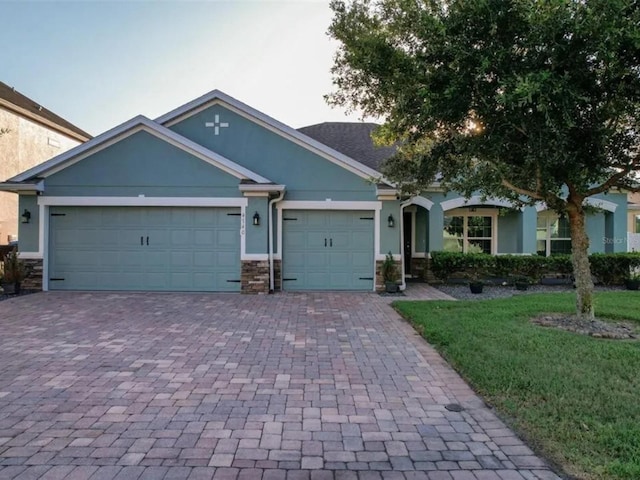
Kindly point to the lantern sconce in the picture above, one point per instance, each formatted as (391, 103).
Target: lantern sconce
(391, 221)
(256, 219)
(26, 216)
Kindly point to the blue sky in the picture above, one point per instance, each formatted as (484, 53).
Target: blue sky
(97, 64)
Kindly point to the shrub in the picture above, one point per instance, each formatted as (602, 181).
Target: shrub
(609, 268)
(613, 268)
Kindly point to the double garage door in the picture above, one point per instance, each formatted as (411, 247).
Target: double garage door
(144, 248)
(327, 250)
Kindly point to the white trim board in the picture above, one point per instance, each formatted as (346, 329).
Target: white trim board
(217, 97)
(135, 125)
(475, 200)
(142, 201)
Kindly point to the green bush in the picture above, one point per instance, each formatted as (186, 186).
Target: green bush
(472, 265)
(530, 266)
(613, 268)
(608, 268)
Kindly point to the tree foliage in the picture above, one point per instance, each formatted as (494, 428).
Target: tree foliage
(528, 100)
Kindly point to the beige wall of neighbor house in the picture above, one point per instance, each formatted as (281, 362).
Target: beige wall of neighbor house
(26, 144)
(634, 213)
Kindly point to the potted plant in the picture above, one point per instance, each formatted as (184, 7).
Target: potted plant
(13, 273)
(390, 275)
(632, 282)
(476, 269)
(522, 283)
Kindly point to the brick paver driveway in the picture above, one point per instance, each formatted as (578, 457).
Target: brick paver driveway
(291, 386)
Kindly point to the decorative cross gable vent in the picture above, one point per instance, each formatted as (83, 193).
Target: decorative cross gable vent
(216, 125)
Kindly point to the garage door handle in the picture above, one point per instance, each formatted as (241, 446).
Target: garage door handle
(325, 242)
(147, 240)
(331, 242)
(141, 241)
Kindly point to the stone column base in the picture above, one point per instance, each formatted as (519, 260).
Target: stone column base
(255, 276)
(33, 279)
(379, 279)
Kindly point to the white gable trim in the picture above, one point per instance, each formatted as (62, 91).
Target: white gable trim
(475, 200)
(421, 201)
(137, 124)
(217, 97)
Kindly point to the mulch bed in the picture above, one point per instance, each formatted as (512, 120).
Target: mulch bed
(593, 328)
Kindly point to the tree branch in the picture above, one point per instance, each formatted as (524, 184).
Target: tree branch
(612, 182)
(521, 191)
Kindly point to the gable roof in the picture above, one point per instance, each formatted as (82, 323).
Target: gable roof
(22, 105)
(326, 151)
(127, 128)
(351, 138)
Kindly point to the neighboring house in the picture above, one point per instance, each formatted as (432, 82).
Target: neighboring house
(217, 196)
(634, 222)
(33, 135)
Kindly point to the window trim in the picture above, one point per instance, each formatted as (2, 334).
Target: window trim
(476, 212)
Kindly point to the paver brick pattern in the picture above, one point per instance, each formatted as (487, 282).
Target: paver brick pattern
(199, 386)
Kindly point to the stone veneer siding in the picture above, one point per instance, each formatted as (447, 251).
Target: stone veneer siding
(379, 280)
(277, 274)
(33, 279)
(255, 276)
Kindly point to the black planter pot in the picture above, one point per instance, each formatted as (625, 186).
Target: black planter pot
(476, 287)
(632, 284)
(391, 287)
(522, 286)
(11, 288)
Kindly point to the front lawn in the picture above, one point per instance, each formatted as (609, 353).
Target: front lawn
(574, 398)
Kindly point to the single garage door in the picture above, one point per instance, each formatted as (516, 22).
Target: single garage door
(327, 250)
(144, 248)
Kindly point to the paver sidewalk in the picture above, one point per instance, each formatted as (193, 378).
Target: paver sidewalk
(288, 386)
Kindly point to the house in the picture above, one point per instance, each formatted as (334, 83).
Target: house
(32, 134)
(217, 196)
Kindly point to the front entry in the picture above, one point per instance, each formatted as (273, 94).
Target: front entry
(327, 250)
(408, 238)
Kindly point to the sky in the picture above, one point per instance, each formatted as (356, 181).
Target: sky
(99, 63)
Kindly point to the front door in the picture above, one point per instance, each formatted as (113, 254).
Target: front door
(408, 237)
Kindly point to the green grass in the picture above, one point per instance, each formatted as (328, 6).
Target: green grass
(576, 399)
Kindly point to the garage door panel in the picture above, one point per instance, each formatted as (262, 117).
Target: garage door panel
(190, 249)
(224, 260)
(204, 238)
(226, 238)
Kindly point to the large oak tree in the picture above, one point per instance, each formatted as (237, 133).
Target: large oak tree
(528, 100)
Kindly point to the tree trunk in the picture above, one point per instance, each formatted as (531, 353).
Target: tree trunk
(580, 259)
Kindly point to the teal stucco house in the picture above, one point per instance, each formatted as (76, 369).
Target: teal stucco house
(217, 196)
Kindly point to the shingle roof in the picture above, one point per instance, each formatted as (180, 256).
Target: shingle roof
(352, 139)
(37, 111)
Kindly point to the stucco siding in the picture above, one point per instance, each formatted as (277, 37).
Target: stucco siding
(142, 164)
(307, 175)
(25, 145)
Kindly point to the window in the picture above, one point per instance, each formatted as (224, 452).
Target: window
(469, 233)
(552, 234)
(637, 223)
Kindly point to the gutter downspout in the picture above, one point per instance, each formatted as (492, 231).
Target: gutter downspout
(403, 205)
(271, 270)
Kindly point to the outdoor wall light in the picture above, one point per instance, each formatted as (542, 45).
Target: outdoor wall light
(26, 216)
(391, 221)
(256, 218)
